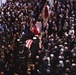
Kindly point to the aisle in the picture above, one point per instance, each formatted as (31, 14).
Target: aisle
(41, 34)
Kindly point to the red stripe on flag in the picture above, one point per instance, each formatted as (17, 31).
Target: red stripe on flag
(29, 45)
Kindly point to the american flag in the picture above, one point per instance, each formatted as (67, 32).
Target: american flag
(28, 43)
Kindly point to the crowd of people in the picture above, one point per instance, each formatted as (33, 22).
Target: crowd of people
(57, 54)
(16, 19)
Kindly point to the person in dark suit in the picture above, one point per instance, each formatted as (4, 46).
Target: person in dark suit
(34, 48)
